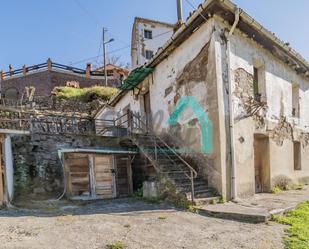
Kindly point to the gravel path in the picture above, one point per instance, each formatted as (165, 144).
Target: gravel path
(136, 224)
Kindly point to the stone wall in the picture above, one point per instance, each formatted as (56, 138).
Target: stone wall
(38, 169)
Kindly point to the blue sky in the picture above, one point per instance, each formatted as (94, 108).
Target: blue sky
(69, 31)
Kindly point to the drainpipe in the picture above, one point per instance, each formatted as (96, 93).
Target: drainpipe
(231, 111)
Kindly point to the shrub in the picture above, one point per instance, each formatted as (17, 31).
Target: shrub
(282, 182)
(85, 94)
(276, 190)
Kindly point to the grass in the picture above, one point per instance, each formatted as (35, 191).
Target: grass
(85, 94)
(298, 231)
(276, 190)
(162, 217)
(116, 245)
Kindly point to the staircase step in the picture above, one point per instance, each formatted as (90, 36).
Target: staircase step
(207, 200)
(173, 167)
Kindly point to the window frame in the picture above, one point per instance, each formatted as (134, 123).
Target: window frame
(150, 34)
(297, 156)
(149, 51)
(295, 107)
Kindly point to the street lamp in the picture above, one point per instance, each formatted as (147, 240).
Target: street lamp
(104, 53)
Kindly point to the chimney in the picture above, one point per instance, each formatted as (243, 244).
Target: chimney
(11, 69)
(88, 70)
(49, 64)
(24, 70)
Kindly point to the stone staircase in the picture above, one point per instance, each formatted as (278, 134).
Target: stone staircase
(169, 164)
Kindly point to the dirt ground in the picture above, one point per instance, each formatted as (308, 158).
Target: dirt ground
(137, 224)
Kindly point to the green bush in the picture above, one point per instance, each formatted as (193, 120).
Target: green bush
(85, 94)
(276, 190)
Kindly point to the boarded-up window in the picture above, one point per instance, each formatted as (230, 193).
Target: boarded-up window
(297, 156)
(255, 81)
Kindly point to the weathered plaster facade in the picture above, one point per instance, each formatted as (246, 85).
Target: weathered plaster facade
(161, 32)
(266, 127)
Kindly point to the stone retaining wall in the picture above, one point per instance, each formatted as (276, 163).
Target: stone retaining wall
(38, 170)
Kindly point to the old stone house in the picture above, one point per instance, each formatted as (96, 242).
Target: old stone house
(229, 97)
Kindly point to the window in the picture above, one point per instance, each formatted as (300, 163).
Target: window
(297, 155)
(256, 93)
(148, 54)
(295, 101)
(259, 81)
(148, 34)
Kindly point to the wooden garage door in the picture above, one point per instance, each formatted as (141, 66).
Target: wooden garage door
(104, 176)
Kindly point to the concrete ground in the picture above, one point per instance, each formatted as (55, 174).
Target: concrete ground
(57, 225)
(260, 207)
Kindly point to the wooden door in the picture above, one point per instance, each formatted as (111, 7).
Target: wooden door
(124, 175)
(147, 108)
(261, 164)
(77, 172)
(104, 175)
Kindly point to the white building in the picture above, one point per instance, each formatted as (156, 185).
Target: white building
(253, 88)
(147, 37)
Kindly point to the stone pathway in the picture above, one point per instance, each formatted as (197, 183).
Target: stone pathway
(258, 208)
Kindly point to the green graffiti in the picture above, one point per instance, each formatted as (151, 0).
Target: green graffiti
(206, 125)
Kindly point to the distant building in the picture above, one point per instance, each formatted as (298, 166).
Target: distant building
(118, 74)
(147, 37)
(46, 76)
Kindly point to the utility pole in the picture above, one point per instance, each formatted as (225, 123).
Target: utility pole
(104, 56)
(179, 11)
(104, 52)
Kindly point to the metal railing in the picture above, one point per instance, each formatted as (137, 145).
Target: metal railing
(62, 125)
(137, 124)
(50, 125)
(15, 124)
(46, 65)
(133, 124)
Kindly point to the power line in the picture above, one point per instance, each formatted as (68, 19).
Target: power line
(88, 13)
(96, 57)
(156, 36)
(193, 7)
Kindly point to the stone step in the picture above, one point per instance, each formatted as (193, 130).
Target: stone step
(199, 201)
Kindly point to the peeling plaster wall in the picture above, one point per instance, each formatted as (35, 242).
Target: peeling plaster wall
(182, 74)
(279, 78)
(190, 70)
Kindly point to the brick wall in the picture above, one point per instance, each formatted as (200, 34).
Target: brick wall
(45, 81)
